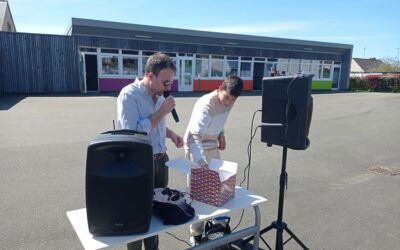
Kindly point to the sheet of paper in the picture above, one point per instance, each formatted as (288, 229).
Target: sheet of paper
(181, 164)
(228, 166)
(225, 169)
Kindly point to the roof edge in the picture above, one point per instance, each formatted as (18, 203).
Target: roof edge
(188, 32)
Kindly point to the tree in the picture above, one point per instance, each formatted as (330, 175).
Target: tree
(390, 64)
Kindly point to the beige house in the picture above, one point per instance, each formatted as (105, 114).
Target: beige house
(6, 20)
(364, 67)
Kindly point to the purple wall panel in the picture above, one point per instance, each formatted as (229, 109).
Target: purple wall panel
(113, 84)
(116, 84)
(174, 86)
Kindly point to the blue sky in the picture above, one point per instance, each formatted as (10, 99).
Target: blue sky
(371, 26)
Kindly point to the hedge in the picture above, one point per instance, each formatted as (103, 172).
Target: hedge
(376, 83)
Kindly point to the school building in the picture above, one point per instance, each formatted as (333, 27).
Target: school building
(102, 56)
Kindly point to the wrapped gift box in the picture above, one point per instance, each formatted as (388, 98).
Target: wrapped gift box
(214, 186)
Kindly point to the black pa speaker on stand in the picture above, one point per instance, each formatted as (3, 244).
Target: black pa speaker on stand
(287, 108)
(119, 183)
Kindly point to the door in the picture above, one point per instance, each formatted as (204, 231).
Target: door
(90, 73)
(336, 77)
(186, 73)
(258, 74)
(270, 69)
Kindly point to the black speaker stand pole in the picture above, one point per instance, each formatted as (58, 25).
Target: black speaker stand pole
(280, 225)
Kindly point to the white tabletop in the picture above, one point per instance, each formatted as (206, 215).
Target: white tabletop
(243, 199)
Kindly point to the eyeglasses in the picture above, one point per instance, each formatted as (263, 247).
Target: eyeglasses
(166, 83)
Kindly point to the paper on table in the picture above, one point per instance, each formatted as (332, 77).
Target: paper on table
(181, 164)
(225, 169)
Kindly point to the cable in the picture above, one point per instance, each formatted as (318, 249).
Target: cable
(287, 120)
(247, 168)
(288, 107)
(250, 144)
(179, 239)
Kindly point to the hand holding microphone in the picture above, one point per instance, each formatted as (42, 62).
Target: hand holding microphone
(173, 111)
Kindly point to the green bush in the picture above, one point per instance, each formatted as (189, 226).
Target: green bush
(358, 84)
(376, 83)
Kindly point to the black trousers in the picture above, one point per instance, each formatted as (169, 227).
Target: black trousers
(160, 180)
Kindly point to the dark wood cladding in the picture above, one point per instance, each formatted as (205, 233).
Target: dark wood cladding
(38, 64)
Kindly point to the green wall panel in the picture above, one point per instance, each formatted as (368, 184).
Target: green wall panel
(321, 85)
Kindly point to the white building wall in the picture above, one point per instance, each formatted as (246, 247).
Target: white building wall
(355, 67)
(6, 20)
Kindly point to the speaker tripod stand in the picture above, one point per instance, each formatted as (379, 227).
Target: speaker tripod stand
(280, 225)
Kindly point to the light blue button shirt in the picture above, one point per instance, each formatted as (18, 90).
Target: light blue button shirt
(134, 108)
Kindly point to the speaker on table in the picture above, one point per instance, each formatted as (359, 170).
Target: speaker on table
(119, 183)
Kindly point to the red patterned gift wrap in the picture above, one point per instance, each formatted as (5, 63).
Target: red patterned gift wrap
(206, 186)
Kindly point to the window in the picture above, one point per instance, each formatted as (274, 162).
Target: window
(326, 69)
(231, 66)
(130, 66)
(294, 66)
(217, 66)
(109, 65)
(130, 62)
(130, 52)
(110, 51)
(316, 68)
(202, 65)
(245, 69)
(145, 56)
(85, 49)
(172, 56)
(282, 66)
(306, 66)
(270, 69)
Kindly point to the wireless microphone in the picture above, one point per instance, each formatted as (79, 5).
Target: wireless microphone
(173, 111)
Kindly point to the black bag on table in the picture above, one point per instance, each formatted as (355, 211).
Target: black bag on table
(171, 206)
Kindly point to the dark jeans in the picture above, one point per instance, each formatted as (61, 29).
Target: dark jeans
(160, 180)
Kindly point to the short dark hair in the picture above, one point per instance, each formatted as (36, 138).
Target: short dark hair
(158, 62)
(233, 85)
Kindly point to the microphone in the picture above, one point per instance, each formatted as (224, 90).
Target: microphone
(173, 111)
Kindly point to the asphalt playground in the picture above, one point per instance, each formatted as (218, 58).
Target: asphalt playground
(342, 192)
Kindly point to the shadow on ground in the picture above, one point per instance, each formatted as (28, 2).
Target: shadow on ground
(7, 102)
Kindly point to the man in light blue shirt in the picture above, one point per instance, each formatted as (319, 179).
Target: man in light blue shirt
(142, 106)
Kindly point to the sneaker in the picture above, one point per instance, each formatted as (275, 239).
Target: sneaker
(195, 240)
